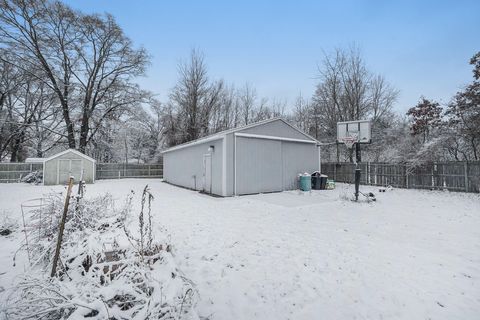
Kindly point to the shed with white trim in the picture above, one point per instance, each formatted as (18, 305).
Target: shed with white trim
(58, 168)
(266, 156)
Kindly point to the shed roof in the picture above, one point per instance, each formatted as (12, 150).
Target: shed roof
(34, 160)
(221, 134)
(40, 160)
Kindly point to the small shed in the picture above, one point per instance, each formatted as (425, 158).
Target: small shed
(58, 168)
(266, 156)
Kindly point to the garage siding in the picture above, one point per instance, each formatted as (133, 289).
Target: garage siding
(184, 167)
(297, 158)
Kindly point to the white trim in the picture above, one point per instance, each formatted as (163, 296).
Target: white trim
(224, 166)
(181, 146)
(94, 171)
(319, 159)
(234, 164)
(258, 136)
(83, 155)
(58, 172)
(353, 121)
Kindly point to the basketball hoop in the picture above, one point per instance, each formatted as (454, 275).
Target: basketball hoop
(355, 132)
(350, 140)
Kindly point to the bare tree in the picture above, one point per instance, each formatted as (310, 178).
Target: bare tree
(348, 91)
(247, 98)
(86, 60)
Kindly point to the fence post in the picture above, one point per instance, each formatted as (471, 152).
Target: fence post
(465, 170)
(433, 177)
(406, 176)
(149, 170)
(335, 171)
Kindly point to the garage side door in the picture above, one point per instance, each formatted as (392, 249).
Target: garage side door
(259, 165)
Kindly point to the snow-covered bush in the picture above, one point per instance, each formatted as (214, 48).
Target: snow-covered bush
(107, 270)
(7, 224)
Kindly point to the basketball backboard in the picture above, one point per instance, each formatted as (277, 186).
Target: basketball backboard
(359, 130)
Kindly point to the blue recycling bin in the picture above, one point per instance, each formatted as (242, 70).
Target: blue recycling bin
(305, 183)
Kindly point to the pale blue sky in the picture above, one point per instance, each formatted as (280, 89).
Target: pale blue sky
(421, 47)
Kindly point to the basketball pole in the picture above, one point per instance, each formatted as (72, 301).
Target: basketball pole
(358, 171)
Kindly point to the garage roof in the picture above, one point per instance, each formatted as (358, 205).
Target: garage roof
(221, 134)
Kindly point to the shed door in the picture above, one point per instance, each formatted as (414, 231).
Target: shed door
(67, 168)
(76, 169)
(259, 165)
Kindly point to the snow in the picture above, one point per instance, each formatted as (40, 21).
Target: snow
(410, 255)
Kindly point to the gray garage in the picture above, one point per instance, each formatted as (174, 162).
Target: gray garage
(58, 168)
(266, 156)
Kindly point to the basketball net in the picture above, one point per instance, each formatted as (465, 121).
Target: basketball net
(350, 140)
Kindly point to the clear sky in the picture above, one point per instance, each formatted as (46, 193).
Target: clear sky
(421, 47)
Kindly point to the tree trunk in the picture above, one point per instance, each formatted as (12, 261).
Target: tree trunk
(69, 124)
(16, 146)
(84, 129)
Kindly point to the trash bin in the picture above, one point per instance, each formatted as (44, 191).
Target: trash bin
(305, 182)
(316, 181)
(323, 181)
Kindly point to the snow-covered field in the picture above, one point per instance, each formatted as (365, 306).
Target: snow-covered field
(410, 255)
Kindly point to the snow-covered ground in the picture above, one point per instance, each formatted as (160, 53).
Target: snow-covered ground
(410, 255)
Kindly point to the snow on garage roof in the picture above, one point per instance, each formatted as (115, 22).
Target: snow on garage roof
(221, 134)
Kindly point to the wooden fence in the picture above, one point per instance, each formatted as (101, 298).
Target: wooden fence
(14, 172)
(122, 170)
(453, 176)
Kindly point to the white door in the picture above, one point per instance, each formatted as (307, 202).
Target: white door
(68, 168)
(207, 173)
(258, 165)
(63, 171)
(76, 170)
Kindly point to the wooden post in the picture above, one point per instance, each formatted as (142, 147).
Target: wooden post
(61, 228)
(368, 172)
(465, 171)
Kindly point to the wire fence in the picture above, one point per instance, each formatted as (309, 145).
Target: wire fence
(454, 176)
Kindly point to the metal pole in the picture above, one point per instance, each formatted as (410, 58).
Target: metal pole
(358, 173)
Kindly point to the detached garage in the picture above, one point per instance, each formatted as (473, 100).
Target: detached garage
(58, 168)
(265, 156)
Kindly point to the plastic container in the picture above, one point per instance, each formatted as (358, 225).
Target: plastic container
(323, 182)
(316, 180)
(305, 182)
(319, 181)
